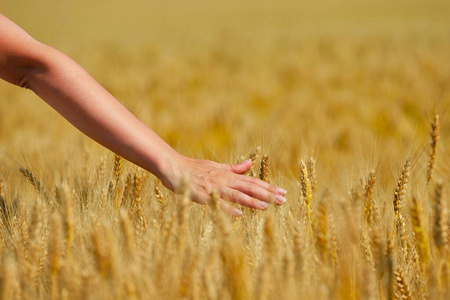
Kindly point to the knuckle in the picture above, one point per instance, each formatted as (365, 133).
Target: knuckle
(272, 188)
(271, 196)
(250, 189)
(265, 185)
(206, 189)
(267, 196)
(255, 203)
(254, 180)
(234, 194)
(200, 198)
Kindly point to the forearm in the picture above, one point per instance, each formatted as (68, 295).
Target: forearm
(71, 91)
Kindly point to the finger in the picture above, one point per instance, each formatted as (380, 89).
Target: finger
(258, 192)
(267, 186)
(240, 198)
(229, 209)
(242, 167)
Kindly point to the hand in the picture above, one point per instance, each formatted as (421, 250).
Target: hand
(71, 91)
(204, 176)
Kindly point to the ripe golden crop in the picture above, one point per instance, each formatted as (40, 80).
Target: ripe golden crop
(354, 124)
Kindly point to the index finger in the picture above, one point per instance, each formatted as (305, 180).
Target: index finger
(265, 185)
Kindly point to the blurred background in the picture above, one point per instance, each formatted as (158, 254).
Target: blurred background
(353, 83)
(81, 23)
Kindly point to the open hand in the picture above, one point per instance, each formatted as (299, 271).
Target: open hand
(204, 176)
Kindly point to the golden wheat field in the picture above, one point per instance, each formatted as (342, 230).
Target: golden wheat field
(346, 105)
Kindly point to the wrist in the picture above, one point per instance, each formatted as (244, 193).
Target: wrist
(169, 169)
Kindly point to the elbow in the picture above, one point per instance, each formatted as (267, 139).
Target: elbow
(24, 79)
(21, 74)
(27, 74)
(23, 70)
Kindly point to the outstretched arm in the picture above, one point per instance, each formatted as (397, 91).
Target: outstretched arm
(72, 92)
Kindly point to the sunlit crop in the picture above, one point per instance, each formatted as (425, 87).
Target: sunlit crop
(355, 125)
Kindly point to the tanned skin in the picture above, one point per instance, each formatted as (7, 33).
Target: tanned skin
(80, 99)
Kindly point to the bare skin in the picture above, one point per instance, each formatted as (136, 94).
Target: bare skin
(73, 93)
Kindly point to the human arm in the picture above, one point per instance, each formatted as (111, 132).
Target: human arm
(73, 93)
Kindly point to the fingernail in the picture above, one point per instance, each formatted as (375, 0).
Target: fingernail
(246, 161)
(262, 205)
(237, 212)
(281, 191)
(280, 199)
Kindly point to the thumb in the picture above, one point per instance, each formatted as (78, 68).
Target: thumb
(242, 167)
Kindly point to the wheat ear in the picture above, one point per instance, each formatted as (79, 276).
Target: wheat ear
(431, 170)
(400, 192)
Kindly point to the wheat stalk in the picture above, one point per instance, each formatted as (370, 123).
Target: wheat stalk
(55, 254)
(311, 166)
(370, 209)
(127, 232)
(297, 249)
(440, 218)
(162, 204)
(2, 190)
(101, 168)
(419, 232)
(263, 285)
(306, 193)
(264, 170)
(400, 192)
(322, 233)
(137, 204)
(431, 170)
(401, 229)
(402, 286)
(10, 280)
(253, 156)
(31, 178)
(306, 188)
(390, 269)
(118, 167)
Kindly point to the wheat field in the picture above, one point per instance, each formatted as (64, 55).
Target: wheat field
(344, 105)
